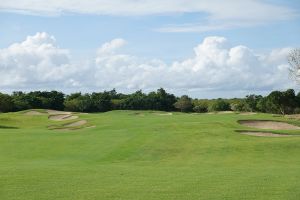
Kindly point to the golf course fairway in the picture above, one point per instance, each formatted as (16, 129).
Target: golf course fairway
(145, 155)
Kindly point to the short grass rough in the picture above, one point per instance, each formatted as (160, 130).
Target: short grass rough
(131, 156)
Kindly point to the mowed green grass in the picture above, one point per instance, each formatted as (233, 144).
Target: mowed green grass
(130, 156)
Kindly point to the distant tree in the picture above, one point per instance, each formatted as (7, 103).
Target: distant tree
(38, 99)
(251, 101)
(281, 102)
(201, 107)
(160, 100)
(6, 103)
(220, 105)
(56, 100)
(101, 102)
(184, 104)
(20, 101)
(294, 61)
(274, 102)
(78, 103)
(153, 101)
(166, 100)
(289, 101)
(297, 109)
(240, 106)
(73, 96)
(262, 105)
(116, 104)
(34, 99)
(135, 101)
(114, 95)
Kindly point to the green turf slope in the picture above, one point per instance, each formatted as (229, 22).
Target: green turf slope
(133, 155)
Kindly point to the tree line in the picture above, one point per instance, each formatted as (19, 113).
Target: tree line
(277, 102)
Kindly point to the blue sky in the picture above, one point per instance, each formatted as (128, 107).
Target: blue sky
(151, 30)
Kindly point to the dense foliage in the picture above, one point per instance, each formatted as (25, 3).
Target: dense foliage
(184, 104)
(277, 102)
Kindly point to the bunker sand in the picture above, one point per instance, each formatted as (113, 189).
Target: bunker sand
(33, 112)
(56, 112)
(75, 124)
(264, 134)
(62, 117)
(274, 125)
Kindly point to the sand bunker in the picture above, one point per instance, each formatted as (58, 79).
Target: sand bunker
(268, 125)
(33, 112)
(62, 117)
(56, 112)
(264, 134)
(78, 123)
(56, 115)
(71, 126)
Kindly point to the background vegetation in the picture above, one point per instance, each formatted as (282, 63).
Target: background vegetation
(278, 102)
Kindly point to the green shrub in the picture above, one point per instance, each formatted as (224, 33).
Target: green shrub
(219, 105)
(201, 108)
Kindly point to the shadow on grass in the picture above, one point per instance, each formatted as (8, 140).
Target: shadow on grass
(8, 127)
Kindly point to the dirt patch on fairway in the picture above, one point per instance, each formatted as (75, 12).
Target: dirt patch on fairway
(210, 113)
(264, 134)
(220, 112)
(164, 114)
(226, 112)
(247, 113)
(75, 124)
(139, 114)
(91, 126)
(33, 112)
(296, 116)
(62, 117)
(263, 124)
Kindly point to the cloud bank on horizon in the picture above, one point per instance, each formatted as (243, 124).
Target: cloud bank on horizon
(39, 63)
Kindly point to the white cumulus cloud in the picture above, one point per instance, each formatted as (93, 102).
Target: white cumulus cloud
(110, 47)
(35, 62)
(215, 65)
(39, 63)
